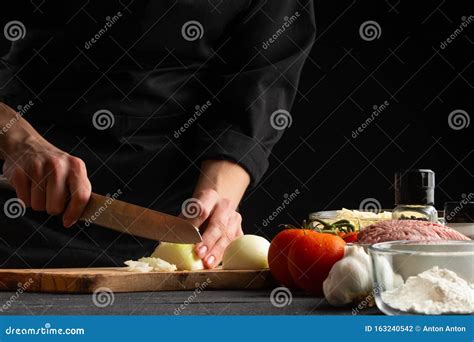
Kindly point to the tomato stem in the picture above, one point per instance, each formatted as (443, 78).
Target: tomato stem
(320, 226)
(341, 226)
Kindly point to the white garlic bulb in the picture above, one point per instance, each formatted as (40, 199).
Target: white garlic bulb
(350, 279)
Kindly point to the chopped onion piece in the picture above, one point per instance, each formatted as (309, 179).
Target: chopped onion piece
(149, 264)
(159, 264)
(137, 266)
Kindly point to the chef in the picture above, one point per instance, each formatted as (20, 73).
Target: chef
(158, 103)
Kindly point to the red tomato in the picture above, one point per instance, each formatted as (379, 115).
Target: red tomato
(349, 237)
(311, 257)
(278, 254)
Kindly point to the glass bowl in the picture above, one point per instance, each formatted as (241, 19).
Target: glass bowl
(393, 262)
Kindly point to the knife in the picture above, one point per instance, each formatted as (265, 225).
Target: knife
(124, 217)
(132, 219)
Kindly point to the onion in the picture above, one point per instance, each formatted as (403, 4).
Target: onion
(138, 266)
(248, 252)
(149, 264)
(181, 255)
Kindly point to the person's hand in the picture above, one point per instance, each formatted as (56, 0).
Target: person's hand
(218, 221)
(44, 177)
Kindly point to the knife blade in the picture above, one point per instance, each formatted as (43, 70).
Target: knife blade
(132, 219)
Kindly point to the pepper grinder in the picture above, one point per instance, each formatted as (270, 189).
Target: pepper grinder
(414, 195)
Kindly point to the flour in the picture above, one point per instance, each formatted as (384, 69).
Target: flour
(433, 292)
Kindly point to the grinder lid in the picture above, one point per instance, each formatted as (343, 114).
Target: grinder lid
(414, 187)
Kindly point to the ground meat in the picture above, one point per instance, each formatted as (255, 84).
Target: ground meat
(407, 230)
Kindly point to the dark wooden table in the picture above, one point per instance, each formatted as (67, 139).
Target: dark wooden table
(168, 303)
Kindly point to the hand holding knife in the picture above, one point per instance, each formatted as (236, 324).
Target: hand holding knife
(132, 219)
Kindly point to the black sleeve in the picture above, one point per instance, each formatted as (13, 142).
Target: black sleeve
(16, 39)
(9, 83)
(261, 58)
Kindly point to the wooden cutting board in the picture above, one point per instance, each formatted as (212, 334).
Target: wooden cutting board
(118, 279)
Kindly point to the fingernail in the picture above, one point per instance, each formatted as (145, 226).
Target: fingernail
(202, 251)
(210, 260)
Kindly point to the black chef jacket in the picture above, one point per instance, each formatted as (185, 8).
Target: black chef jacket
(142, 91)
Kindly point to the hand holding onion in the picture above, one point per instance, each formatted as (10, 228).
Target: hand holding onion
(219, 221)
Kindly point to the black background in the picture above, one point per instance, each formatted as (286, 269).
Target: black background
(343, 78)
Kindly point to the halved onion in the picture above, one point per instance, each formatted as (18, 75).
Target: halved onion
(181, 255)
